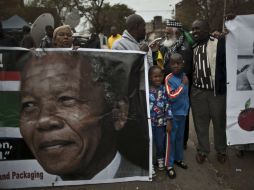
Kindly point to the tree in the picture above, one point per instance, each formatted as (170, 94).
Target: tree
(60, 5)
(91, 10)
(101, 15)
(212, 10)
(114, 16)
(187, 12)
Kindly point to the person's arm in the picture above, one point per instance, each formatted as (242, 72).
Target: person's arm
(169, 126)
(118, 45)
(221, 71)
(174, 92)
(168, 112)
(150, 57)
(43, 43)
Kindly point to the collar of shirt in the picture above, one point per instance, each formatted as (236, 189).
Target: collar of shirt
(110, 171)
(126, 34)
(107, 173)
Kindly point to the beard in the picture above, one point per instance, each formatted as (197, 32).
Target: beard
(169, 42)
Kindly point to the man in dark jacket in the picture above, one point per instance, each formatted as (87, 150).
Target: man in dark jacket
(208, 94)
(46, 41)
(27, 41)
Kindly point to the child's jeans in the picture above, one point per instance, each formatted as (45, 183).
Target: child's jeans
(159, 134)
(176, 140)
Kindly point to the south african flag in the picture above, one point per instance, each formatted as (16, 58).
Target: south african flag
(9, 86)
(10, 138)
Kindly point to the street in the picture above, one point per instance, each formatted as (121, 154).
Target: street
(236, 174)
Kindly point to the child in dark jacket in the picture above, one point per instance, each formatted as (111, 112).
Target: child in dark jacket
(177, 90)
(160, 112)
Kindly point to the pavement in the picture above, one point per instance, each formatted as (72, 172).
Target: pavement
(236, 174)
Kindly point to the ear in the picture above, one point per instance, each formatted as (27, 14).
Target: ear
(120, 114)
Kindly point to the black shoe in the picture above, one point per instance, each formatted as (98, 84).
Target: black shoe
(171, 173)
(181, 164)
(221, 157)
(200, 158)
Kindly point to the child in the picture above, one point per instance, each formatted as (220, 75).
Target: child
(177, 90)
(160, 113)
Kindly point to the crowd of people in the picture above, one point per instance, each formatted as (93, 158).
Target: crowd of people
(185, 71)
(98, 41)
(194, 71)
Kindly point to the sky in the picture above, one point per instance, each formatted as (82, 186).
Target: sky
(149, 8)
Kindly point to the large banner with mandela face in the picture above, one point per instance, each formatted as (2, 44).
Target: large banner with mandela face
(240, 76)
(71, 117)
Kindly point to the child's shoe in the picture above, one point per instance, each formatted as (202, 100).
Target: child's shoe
(200, 158)
(171, 172)
(221, 157)
(160, 164)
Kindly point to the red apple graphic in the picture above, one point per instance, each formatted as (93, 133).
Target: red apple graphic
(246, 117)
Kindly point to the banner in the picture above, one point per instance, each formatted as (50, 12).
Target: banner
(72, 117)
(240, 77)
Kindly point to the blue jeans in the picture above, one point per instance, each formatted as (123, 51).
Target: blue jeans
(159, 134)
(176, 139)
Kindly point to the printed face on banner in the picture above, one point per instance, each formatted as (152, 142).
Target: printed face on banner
(60, 119)
(245, 73)
(72, 115)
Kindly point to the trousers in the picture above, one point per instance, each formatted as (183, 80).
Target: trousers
(207, 107)
(174, 150)
(159, 135)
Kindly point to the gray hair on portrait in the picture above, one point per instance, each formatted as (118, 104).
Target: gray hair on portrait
(111, 75)
(102, 73)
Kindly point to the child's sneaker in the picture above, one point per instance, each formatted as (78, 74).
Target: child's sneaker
(160, 164)
(153, 172)
(171, 172)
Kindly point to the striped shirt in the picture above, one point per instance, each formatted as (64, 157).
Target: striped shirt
(202, 73)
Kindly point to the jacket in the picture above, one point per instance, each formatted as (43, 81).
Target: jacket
(216, 56)
(127, 42)
(178, 94)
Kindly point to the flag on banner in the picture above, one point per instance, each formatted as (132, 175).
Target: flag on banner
(9, 86)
